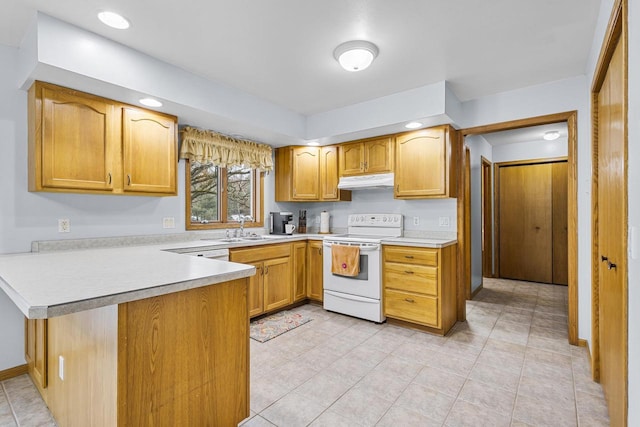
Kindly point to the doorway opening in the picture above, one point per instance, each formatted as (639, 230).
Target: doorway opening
(489, 238)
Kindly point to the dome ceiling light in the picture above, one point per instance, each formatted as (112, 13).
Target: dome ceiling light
(551, 135)
(150, 102)
(355, 55)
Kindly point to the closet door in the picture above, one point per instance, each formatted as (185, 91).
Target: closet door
(525, 221)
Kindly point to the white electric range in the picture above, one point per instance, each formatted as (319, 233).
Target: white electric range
(360, 296)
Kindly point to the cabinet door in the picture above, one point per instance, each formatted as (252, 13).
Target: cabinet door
(351, 159)
(36, 350)
(306, 173)
(149, 152)
(421, 169)
(256, 292)
(77, 137)
(314, 271)
(277, 283)
(378, 155)
(329, 173)
(299, 271)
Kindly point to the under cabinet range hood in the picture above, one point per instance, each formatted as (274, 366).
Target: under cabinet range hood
(381, 180)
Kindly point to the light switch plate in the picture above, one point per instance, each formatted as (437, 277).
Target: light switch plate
(168, 222)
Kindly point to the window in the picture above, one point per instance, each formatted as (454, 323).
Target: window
(220, 197)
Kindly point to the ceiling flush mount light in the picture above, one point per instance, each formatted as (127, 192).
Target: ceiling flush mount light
(413, 125)
(150, 102)
(113, 20)
(551, 135)
(313, 143)
(355, 55)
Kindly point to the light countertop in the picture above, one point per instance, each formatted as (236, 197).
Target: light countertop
(49, 284)
(52, 284)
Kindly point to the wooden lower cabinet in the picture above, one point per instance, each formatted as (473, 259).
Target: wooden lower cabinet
(272, 286)
(420, 286)
(299, 271)
(314, 270)
(35, 346)
(175, 359)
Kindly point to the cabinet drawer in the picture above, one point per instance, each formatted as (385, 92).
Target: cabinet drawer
(411, 255)
(411, 307)
(260, 253)
(411, 278)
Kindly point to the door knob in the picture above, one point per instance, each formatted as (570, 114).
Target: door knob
(611, 266)
(603, 258)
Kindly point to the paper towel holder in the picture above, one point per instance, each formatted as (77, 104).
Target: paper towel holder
(324, 222)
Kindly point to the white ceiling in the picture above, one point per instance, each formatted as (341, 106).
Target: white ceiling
(281, 50)
(528, 134)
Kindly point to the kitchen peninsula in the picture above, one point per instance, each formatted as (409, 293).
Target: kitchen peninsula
(136, 336)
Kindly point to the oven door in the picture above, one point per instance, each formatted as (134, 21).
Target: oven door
(367, 284)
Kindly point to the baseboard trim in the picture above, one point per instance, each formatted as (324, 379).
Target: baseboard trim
(583, 343)
(475, 292)
(13, 372)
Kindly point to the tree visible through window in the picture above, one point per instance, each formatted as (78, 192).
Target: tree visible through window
(218, 197)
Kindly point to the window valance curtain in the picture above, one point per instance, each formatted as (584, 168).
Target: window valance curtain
(206, 146)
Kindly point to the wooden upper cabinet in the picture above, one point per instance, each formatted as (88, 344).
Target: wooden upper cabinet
(425, 164)
(329, 175)
(148, 151)
(308, 174)
(72, 140)
(367, 156)
(83, 143)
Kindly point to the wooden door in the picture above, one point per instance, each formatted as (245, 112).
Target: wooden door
(149, 152)
(421, 168)
(612, 236)
(378, 155)
(306, 173)
(78, 141)
(314, 270)
(487, 223)
(559, 213)
(299, 271)
(277, 283)
(467, 221)
(351, 159)
(524, 215)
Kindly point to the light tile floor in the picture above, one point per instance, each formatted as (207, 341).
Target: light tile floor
(508, 365)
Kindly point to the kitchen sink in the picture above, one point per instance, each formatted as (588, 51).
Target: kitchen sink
(251, 238)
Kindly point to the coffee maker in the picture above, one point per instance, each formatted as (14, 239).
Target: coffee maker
(278, 220)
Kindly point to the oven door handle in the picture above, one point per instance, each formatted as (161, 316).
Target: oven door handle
(374, 247)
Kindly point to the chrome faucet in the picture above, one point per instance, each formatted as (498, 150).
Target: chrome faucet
(241, 226)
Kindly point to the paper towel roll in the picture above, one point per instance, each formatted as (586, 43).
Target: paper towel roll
(324, 222)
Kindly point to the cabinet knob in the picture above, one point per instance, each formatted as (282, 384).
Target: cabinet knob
(128, 179)
(408, 272)
(266, 269)
(409, 300)
(319, 251)
(109, 176)
(409, 256)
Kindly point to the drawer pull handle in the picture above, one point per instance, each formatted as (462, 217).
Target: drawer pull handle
(409, 300)
(409, 256)
(408, 272)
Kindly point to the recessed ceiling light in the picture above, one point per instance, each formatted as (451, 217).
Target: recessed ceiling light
(551, 135)
(150, 102)
(313, 143)
(355, 55)
(113, 20)
(413, 125)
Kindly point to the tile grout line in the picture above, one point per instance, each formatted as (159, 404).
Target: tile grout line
(13, 411)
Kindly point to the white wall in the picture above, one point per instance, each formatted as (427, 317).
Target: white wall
(634, 211)
(478, 147)
(530, 150)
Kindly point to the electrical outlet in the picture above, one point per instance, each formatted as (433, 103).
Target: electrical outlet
(443, 221)
(64, 226)
(318, 219)
(168, 222)
(61, 367)
(416, 220)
